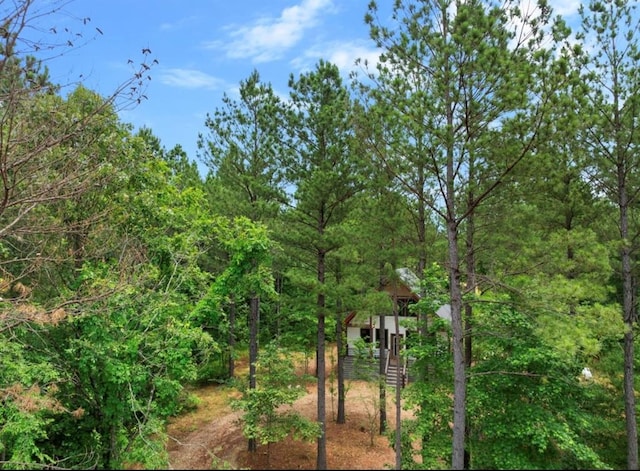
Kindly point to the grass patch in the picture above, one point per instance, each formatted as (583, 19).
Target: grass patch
(206, 404)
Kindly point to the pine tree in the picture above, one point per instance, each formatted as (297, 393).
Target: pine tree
(611, 64)
(451, 76)
(325, 177)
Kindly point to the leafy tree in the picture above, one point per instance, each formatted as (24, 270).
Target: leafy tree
(124, 376)
(243, 149)
(264, 419)
(54, 155)
(45, 156)
(430, 395)
(115, 336)
(126, 356)
(56, 160)
(522, 377)
(248, 275)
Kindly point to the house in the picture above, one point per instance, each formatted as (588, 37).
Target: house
(407, 292)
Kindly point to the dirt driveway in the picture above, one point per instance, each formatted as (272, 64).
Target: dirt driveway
(210, 437)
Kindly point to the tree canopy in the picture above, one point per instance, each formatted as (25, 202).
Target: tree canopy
(491, 150)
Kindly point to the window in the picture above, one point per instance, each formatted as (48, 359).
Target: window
(365, 334)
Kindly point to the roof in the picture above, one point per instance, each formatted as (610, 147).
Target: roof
(410, 279)
(444, 312)
(407, 286)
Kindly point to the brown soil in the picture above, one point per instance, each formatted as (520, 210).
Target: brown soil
(210, 437)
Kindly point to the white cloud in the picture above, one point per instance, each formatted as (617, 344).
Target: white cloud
(342, 54)
(269, 38)
(190, 78)
(565, 7)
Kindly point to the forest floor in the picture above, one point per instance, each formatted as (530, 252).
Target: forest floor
(210, 436)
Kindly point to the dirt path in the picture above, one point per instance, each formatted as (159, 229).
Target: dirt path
(210, 437)
(216, 441)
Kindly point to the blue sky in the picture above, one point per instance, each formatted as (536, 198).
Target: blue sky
(204, 48)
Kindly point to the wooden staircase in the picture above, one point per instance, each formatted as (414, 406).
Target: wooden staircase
(348, 367)
(392, 374)
(390, 378)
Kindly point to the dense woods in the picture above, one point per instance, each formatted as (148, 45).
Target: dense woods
(492, 150)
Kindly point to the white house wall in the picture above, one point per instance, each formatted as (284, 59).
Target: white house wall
(353, 332)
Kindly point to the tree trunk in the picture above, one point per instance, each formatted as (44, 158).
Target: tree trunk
(468, 307)
(341, 418)
(398, 431)
(459, 372)
(253, 352)
(629, 320)
(321, 460)
(630, 400)
(232, 339)
(340, 328)
(382, 375)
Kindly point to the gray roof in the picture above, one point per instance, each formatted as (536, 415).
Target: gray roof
(410, 279)
(444, 312)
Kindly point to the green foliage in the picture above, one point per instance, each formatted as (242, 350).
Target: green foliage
(526, 403)
(28, 389)
(375, 303)
(430, 428)
(248, 271)
(277, 385)
(120, 345)
(209, 313)
(171, 223)
(247, 274)
(119, 266)
(129, 358)
(429, 396)
(298, 319)
(245, 149)
(435, 290)
(365, 364)
(592, 327)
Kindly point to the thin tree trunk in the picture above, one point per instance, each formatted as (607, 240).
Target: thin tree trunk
(253, 352)
(468, 307)
(232, 339)
(321, 460)
(630, 400)
(382, 375)
(341, 418)
(629, 320)
(398, 430)
(459, 374)
(421, 227)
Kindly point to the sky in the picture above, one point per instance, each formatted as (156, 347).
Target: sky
(205, 48)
